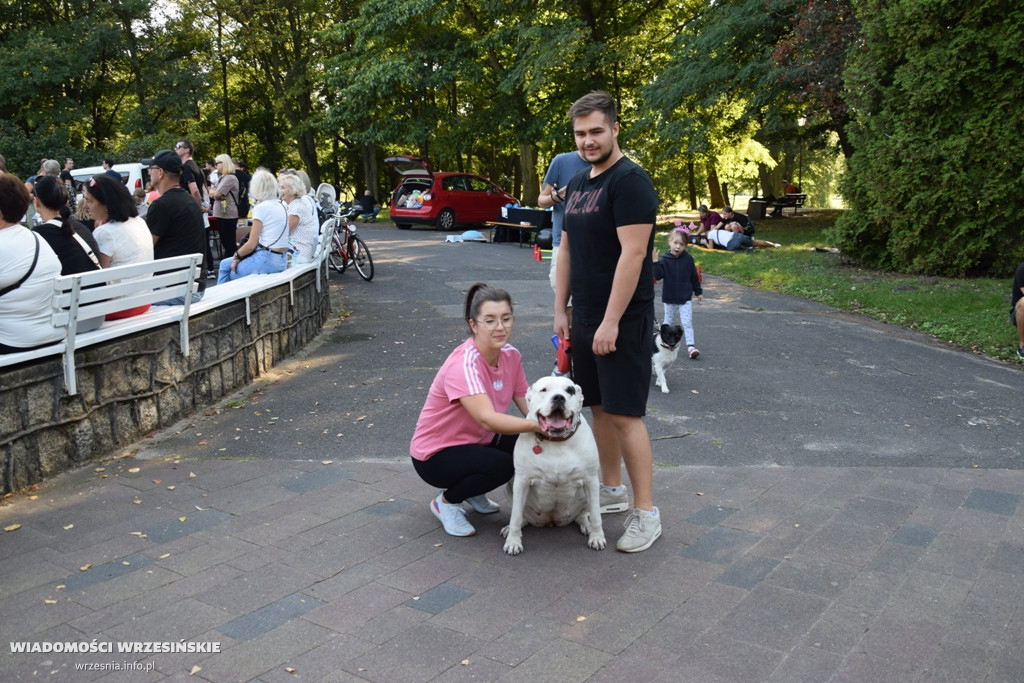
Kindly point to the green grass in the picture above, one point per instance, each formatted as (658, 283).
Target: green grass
(973, 314)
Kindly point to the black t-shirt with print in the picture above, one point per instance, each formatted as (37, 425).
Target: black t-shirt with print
(594, 209)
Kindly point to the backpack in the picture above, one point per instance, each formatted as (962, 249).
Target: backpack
(243, 195)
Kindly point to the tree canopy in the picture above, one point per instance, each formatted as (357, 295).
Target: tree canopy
(715, 98)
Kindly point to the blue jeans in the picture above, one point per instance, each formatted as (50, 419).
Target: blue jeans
(263, 261)
(180, 300)
(739, 241)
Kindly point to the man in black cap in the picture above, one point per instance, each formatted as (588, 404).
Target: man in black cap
(174, 219)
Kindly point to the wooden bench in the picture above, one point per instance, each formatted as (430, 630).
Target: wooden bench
(86, 296)
(790, 200)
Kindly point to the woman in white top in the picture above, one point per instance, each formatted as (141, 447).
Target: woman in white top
(265, 251)
(28, 267)
(302, 225)
(122, 236)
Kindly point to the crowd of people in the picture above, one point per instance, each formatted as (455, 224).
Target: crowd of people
(55, 224)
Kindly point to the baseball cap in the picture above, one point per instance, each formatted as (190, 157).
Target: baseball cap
(166, 159)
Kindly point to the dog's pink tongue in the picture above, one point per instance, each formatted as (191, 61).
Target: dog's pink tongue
(554, 423)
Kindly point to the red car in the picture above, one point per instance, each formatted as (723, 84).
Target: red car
(442, 200)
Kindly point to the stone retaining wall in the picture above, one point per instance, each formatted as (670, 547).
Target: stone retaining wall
(131, 386)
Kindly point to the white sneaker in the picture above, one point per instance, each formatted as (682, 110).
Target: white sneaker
(613, 502)
(453, 517)
(642, 530)
(483, 504)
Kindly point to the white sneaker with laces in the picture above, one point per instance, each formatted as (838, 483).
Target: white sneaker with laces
(642, 530)
(483, 504)
(614, 502)
(453, 517)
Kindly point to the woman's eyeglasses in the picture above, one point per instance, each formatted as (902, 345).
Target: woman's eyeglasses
(493, 323)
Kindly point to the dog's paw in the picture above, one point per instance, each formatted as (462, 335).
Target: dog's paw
(664, 389)
(513, 547)
(513, 542)
(596, 541)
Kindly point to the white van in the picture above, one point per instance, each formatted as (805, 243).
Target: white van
(134, 176)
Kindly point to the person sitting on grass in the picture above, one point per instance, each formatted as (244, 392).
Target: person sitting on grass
(732, 238)
(730, 216)
(1017, 308)
(708, 220)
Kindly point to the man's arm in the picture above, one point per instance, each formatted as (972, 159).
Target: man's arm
(193, 189)
(561, 327)
(633, 240)
(550, 195)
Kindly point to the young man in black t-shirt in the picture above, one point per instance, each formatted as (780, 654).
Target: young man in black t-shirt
(605, 263)
(174, 219)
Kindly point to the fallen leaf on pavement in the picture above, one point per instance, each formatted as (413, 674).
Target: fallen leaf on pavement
(12, 527)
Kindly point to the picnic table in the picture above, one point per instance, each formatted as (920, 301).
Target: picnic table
(495, 227)
(795, 200)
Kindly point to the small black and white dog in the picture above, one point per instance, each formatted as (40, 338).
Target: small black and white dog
(666, 348)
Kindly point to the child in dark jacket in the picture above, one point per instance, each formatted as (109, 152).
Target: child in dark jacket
(681, 282)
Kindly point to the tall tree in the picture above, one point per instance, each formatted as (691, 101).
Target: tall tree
(67, 85)
(812, 58)
(282, 40)
(721, 86)
(477, 86)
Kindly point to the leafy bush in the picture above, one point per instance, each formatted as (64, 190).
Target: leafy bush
(936, 184)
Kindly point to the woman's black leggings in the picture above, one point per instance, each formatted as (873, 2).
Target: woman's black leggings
(467, 471)
(226, 227)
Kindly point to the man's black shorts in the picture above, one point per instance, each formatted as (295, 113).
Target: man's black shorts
(620, 381)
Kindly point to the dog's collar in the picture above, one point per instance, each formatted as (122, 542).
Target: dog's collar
(666, 346)
(575, 426)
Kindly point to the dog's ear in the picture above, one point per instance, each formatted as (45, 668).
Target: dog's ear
(579, 390)
(530, 393)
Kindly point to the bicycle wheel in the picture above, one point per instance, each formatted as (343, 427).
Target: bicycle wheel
(337, 257)
(361, 258)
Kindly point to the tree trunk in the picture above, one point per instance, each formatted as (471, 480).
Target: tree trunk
(370, 169)
(530, 179)
(725, 195)
(714, 188)
(307, 152)
(764, 177)
(691, 183)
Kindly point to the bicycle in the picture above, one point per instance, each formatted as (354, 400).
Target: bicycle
(348, 248)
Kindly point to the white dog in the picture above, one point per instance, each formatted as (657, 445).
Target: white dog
(666, 348)
(557, 479)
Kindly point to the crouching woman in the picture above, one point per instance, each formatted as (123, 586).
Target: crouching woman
(464, 439)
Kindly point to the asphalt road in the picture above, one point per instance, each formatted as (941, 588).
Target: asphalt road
(780, 381)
